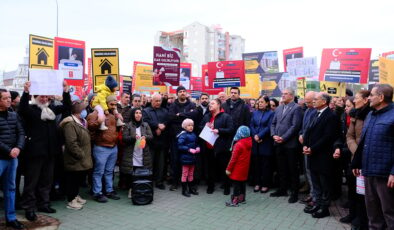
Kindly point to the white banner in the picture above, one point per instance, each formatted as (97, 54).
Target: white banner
(46, 82)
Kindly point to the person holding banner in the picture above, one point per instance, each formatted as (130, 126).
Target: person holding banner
(374, 158)
(41, 142)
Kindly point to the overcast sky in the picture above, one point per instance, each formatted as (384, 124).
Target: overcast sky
(132, 25)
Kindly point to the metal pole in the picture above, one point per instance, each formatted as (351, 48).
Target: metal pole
(57, 19)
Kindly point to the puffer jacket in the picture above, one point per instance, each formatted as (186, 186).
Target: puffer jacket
(12, 134)
(187, 141)
(240, 160)
(101, 99)
(77, 152)
(375, 152)
(129, 139)
(107, 138)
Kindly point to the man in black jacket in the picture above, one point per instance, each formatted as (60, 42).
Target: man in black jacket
(318, 145)
(181, 109)
(40, 151)
(12, 140)
(157, 118)
(237, 109)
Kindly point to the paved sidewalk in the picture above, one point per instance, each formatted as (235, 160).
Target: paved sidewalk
(170, 210)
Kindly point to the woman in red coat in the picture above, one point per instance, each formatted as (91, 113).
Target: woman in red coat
(238, 167)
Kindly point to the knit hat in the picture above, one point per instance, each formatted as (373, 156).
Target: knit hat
(14, 95)
(187, 122)
(181, 87)
(242, 132)
(111, 98)
(110, 82)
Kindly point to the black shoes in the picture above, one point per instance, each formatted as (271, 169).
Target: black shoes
(347, 219)
(293, 198)
(226, 190)
(185, 192)
(210, 189)
(192, 188)
(100, 198)
(278, 193)
(321, 213)
(160, 186)
(31, 215)
(311, 209)
(112, 195)
(47, 209)
(15, 224)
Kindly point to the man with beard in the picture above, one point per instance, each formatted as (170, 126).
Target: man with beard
(181, 109)
(41, 142)
(237, 109)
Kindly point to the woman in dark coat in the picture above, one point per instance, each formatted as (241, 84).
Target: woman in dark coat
(262, 148)
(136, 137)
(216, 157)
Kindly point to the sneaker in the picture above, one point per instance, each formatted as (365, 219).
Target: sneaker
(119, 123)
(112, 195)
(74, 205)
(173, 187)
(103, 126)
(80, 200)
(100, 198)
(129, 194)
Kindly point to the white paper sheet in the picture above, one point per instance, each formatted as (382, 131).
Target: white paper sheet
(360, 187)
(209, 136)
(46, 82)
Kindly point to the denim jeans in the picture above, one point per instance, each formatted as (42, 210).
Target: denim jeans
(105, 160)
(8, 174)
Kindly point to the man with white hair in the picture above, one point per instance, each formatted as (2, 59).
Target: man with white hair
(41, 142)
(157, 118)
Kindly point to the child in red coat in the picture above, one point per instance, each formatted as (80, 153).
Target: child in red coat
(238, 167)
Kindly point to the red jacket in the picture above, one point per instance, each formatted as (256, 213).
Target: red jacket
(240, 160)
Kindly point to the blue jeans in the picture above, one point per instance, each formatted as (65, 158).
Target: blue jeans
(8, 174)
(104, 164)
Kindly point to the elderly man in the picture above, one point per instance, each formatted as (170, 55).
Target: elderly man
(104, 152)
(318, 145)
(12, 140)
(157, 118)
(222, 97)
(285, 128)
(375, 156)
(41, 148)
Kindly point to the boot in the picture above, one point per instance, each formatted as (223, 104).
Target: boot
(241, 199)
(185, 192)
(233, 202)
(192, 188)
(119, 123)
(103, 126)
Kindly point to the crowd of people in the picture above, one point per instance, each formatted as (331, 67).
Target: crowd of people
(64, 143)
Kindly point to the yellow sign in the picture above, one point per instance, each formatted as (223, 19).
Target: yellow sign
(252, 86)
(104, 62)
(143, 77)
(386, 71)
(268, 85)
(335, 89)
(251, 65)
(301, 87)
(41, 52)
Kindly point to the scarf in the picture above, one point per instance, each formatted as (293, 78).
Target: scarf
(46, 112)
(135, 122)
(242, 132)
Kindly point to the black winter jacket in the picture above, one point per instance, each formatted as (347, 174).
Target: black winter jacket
(239, 112)
(185, 110)
(224, 123)
(154, 117)
(12, 134)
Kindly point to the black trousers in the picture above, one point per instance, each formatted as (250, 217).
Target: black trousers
(38, 182)
(74, 180)
(159, 156)
(216, 164)
(322, 188)
(262, 170)
(287, 168)
(239, 187)
(357, 204)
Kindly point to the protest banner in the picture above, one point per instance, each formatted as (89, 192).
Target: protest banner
(291, 54)
(126, 82)
(41, 52)
(185, 71)
(345, 65)
(388, 55)
(206, 86)
(386, 71)
(46, 82)
(143, 79)
(261, 62)
(272, 84)
(252, 88)
(195, 87)
(335, 89)
(301, 87)
(303, 67)
(374, 71)
(70, 60)
(105, 61)
(166, 64)
(224, 74)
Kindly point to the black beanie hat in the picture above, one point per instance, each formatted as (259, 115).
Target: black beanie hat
(110, 82)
